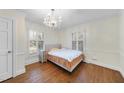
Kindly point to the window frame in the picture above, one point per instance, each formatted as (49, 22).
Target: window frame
(34, 38)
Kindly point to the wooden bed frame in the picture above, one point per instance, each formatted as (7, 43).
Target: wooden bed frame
(69, 66)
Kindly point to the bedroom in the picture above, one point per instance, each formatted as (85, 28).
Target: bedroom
(96, 34)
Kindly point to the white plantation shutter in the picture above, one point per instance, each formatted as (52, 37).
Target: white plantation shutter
(41, 41)
(78, 41)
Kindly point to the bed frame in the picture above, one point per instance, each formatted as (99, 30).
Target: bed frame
(69, 66)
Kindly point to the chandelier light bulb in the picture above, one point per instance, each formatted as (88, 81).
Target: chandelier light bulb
(51, 20)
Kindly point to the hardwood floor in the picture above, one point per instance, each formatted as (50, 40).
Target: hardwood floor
(51, 73)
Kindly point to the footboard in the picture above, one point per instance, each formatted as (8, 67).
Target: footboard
(65, 63)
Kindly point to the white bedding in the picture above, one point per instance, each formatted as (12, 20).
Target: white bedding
(66, 54)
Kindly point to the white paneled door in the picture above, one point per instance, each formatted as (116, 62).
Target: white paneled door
(5, 49)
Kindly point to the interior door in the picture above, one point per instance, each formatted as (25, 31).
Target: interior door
(5, 49)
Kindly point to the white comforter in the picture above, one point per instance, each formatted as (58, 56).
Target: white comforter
(66, 54)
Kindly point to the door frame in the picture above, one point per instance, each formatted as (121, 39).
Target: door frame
(13, 19)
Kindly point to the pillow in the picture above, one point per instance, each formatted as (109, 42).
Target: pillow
(65, 48)
(54, 49)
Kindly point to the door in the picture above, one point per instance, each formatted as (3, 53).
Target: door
(5, 49)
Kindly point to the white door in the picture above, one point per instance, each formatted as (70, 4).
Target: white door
(5, 49)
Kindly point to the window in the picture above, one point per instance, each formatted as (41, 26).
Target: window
(74, 41)
(33, 42)
(41, 41)
(78, 41)
(36, 41)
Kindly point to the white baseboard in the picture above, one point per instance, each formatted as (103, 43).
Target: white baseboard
(122, 63)
(122, 72)
(19, 72)
(31, 62)
(32, 59)
(103, 58)
(103, 65)
(117, 68)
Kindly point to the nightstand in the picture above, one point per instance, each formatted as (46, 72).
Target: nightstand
(42, 56)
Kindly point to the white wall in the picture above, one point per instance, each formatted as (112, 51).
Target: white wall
(31, 58)
(50, 37)
(20, 40)
(102, 41)
(21, 44)
(122, 43)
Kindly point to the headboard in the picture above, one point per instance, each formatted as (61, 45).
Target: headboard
(50, 46)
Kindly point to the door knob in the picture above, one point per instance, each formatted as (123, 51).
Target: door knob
(9, 51)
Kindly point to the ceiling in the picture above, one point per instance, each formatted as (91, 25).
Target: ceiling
(70, 17)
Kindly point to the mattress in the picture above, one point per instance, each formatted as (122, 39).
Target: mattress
(66, 54)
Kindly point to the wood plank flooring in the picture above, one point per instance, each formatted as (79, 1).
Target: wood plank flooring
(51, 73)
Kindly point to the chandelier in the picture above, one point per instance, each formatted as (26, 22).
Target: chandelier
(51, 20)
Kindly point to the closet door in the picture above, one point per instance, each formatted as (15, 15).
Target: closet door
(5, 49)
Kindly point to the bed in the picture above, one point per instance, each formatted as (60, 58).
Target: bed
(65, 58)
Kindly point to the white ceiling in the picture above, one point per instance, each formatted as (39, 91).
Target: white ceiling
(70, 17)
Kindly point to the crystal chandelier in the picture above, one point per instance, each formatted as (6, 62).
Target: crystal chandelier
(51, 20)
